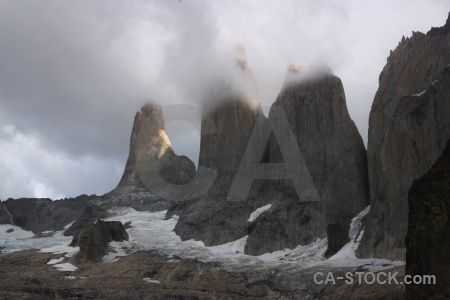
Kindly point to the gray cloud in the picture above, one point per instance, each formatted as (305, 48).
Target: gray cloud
(73, 73)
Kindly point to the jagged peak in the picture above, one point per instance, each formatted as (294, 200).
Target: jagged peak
(150, 107)
(319, 70)
(239, 53)
(444, 30)
(294, 68)
(235, 83)
(295, 74)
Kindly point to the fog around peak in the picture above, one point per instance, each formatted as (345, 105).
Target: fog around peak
(74, 73)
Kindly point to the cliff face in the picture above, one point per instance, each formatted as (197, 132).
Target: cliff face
(152, 166)
(331, 166)
(428, 239)
(408, 128)
(226, 130)
(333, 154)
(330, 143)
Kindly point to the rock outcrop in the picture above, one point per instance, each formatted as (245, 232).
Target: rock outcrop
(152, 166)
(335, 171)
(94, 240)
(428, 239)
(329, 141)
(225, 132)
(333, 154)
(337, 236)
(408, 128)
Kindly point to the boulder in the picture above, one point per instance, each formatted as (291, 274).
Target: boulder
(94, 240)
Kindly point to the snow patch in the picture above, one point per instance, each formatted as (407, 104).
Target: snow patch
(258, 212)
(55, 261)
(10, 232)
(47, 232)
(119, 249)
(234, 247)
(311, 253)
(348, 251)
(65, 267)
(420, 94)
(346, 257)
(59, 244)
(149, 280)
(62, 249)
(151, 232)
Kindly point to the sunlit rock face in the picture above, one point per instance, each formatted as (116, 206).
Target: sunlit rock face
(152, 166)
(293, 74)
(428, 239)
(408, 127)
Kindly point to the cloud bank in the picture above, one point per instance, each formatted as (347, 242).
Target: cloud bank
(73, 73)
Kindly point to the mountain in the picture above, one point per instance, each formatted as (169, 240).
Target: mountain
(332, 153)
(257, 167)
(151, 170)
(152, 166)
(275, 200)
(408, 127)
(225, 132)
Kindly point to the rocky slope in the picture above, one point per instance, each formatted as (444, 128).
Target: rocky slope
(428, 239)
(408, 127)
(144, 275)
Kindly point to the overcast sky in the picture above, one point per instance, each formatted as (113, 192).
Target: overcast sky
(73, 73)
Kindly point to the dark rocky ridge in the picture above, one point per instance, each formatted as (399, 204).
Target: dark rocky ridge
(406, 135)
(38, 215)
(444, 30)
(428, 239)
